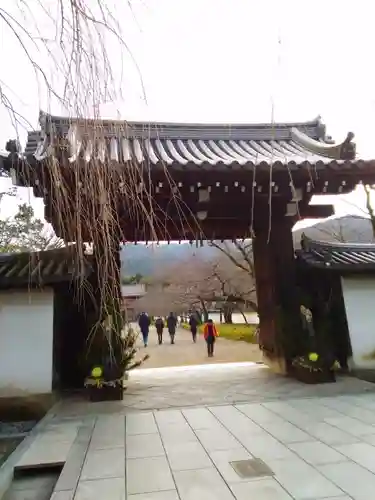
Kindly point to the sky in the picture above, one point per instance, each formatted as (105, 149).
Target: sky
(221, 61)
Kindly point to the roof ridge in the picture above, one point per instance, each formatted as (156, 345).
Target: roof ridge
(310, 243)
(316, 122)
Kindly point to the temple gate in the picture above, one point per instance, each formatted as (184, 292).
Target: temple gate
(194, 182)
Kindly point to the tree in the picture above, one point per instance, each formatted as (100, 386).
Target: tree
(369, 206)
(199, 284)
(237, 287)
(239, 253)
(66, 48)
(24, 232)
(69, 46)
(132, 280)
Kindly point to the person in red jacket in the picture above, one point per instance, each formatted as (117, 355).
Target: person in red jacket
(210, 333)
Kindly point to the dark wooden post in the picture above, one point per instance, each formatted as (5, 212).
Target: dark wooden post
(277, 294)
(288, 300)
(267, 302)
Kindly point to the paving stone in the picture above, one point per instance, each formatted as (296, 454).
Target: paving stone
(185, 456)
(114, 422)
(217, 439)
(168, 417)
(329, 434)
(63, 495)
(314, 409)
(266, 447)
(263, 401)
(316, 453)
(259, 413)
(370, 439)
(146, 475)
(235, 421)
(141, 423)
(262, 489)
(201, 419)
(361, 453)
(333, 498)
(178, 433)
(40, 454)
(143, 446)
(71, 472)
(102, 439)
(104, 464)
(223, 384)
(353, 479)
(286, 432)
(350, 425)
(348, 409)
(204, 484)
(159, 495)
(110, 489)
(301, 480)
(294, 416)
(59, 433)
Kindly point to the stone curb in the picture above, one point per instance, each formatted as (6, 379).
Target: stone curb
(7, 468)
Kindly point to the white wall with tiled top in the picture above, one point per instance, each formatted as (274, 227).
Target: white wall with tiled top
(26, 342)
(359, 299)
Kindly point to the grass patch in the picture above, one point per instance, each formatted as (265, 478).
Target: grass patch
(246, 333)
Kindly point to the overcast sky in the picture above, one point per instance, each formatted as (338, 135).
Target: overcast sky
(225, 61)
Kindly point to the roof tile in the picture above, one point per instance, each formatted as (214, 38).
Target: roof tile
(245, 145)
(351, 257)
(41, 268)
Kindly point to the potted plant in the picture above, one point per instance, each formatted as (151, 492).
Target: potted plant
(313, 369)
(106, 380)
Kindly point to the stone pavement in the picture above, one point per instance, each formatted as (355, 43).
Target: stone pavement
(305, 443)
(185, 352)
(163, 388)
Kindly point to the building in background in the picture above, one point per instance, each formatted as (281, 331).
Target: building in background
(130, 294)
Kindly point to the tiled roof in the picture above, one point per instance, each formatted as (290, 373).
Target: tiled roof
(351, 257)
(40, 268)
(192, 145)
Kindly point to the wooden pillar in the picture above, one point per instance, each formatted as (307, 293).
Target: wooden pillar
(267, 301)
(277, 294)
(265, 287)
(288, 298)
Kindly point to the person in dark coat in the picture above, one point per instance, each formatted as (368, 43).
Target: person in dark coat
(193, 322)
(144, 324)
(159, 325)
(172, 324)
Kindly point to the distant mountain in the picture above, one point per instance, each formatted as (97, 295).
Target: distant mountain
(145, 259)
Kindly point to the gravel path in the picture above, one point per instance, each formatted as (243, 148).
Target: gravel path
(185, 352)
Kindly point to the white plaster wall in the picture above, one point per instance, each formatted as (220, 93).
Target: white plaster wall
(26, 342)
(359, 299)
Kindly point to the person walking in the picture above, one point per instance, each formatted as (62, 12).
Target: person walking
(210, 333)
(159, 325)
(144, 324)
(193, 322)
(171, 324)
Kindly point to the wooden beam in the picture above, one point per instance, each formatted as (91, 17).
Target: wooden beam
(317, 211)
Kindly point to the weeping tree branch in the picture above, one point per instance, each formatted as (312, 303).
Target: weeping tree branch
(370, 209)
(68, 45)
